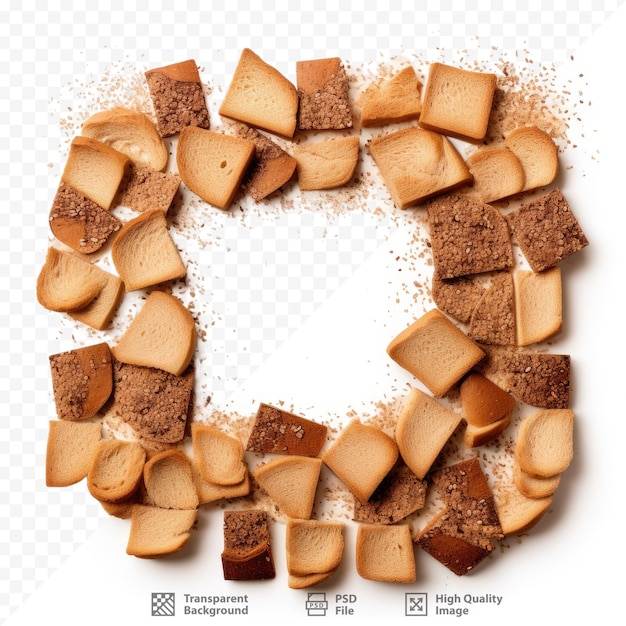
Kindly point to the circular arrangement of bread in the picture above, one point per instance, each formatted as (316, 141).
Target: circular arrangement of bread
(474, 433)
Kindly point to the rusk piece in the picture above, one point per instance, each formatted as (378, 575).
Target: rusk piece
(482, 401)
(497, 174)
(82, 381)
(213, 164)
(417, 164)
(391, 100)
(130, 132)
(291, 483)
(326, 164)
(519, 513)
(422, 430)
(475, 436)
(95, 170)
(537, 153)
(145, 254)
(218, 456)
(534, 486)
(457, 297)
(457, 102)
(169, 482)
(259, 95)
(211, 492)
(177, 97)
(538, 305)
(162, 335)
(157, 532)
(148, 189)
(70, 450)
(100, 311)
(545, 442)
(385, 553)
(435, 351)
(361, 456)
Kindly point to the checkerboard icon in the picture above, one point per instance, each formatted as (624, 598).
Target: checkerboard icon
(163, 604)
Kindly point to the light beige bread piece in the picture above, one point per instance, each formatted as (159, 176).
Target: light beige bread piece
(534, 486)
(385, 553)
(100, 311)
(130, 132)
(435, 351)
(144, 252)
(519, 513)
(67, 282)
(116, 470)
(79, 222)
(259, 95)
(475, 436)
(323, 95)
(161, 335)
(157, 532)
(291, 482)
(422, 430)
(219, 457)
(212, 164)
(537, 153)
(457, 102)
(95, 170)
(545, 442)
(391, 100)
(497, 174)
(70, 450)
(313, 548)
(168, 481)
(148, 189)
(361, 456)
(326, 164)
(538, 305)
(82, 380)
(482, 401)
(417, 164)
(212, 492)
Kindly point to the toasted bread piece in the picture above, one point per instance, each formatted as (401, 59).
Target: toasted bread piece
(391, 100)
(457, 297)
(271, 168)
(218, 456)
(546, 230)
(116, 470)
(417, 164)
(157, 532)
(100, 311)
(537, 153)
(67, 282)
(323, 95)
(79, 222)
(70, 450)
(159, 416)
(534, 486)
(211, 492)
(130, 132)
(168, 481)
(145, 254)
(259, 95)
(422, 430)
(291, 483)
(247, 553)
(95, 170)
(435, 351)
(326, 164)
(148, 189)
(313, 546)
(310, 580)
(213, 164)
(545, 442)
(123, 509)
(497, 174)
(519, 513)
(399, 494)
(82, 380)
(361, 456)
(177, 97)
(538, 305)
(162, 335)
(385, 553)
(493, 319)
(468, 237)
(277, 431)
(457, 102)
(483, 402)
(475, 436)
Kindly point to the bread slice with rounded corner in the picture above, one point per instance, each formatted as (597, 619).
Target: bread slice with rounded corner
(537, 153)
(259, 95)
(100, 311)
(219, 457)
(482, 401)
(212, 492)
(385, 553)
(213, 164)
(168, 481)
(162, 335)
(291, 483)
(313, 546)
(518, 513)
(144, 252)
(534, 486)
(475, 436)
(497, 173)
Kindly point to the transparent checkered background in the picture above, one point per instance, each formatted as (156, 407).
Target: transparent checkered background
(267, 274)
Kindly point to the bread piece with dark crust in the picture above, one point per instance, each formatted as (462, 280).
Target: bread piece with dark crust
(493, 319)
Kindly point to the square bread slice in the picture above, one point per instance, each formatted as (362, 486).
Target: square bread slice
(149, 189)
(385, 553)
(313, 546)
(218, 456)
